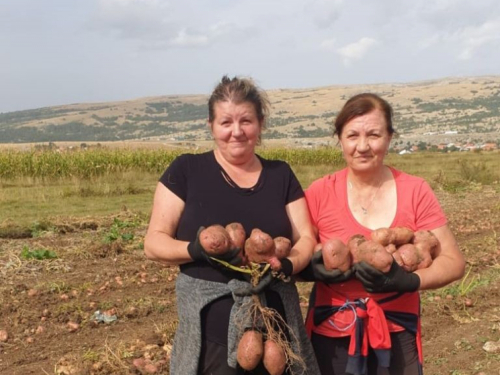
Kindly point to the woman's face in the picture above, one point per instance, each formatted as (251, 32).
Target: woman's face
(365, 141)
(236, 130)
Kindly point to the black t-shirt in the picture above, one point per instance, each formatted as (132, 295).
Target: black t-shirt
(209, 199)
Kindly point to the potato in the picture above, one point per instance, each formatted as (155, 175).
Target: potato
(409, 257)
(354, 243)
(383, 236)
(259, 247)
(423, 255)
(215, 240)
(426, 240)
(374, 254)
(237, 234)
(401, 236)
(274, 358)
(397, 258)
(397, 236)
(336, 255)
(413, 257)
(4, 335)
(391, 248)
(250, 350)
(275, 263)
(283, 247)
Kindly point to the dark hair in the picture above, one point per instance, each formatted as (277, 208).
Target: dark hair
(239, 90)
(360, 105)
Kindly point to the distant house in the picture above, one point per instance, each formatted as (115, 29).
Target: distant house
(489, 146)
(403, 152)
(441, 146)
(414, 148)
(468, 147)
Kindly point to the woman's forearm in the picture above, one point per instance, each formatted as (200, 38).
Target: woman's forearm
(442, 272)
(162, 248)
(302, 252)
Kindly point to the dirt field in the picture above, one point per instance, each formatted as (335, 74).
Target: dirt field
(48, 307)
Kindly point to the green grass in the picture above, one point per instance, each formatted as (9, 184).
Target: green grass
(458, 168)
(37, 254)
(26, 200)
(466, 286)
(88, 164)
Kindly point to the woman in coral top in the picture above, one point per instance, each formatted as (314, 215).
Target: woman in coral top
(365, 321)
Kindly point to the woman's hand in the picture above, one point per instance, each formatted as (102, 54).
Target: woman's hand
(199, 254)
(396, 280)
(316, 271)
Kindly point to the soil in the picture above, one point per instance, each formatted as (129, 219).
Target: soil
(48, 307)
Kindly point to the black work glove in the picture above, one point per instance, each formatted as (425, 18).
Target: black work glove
(396, 280)
(265, 281)
(268, 277)
(286, 267)
(199, 254)
(316, 271)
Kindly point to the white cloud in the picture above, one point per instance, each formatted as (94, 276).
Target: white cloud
(357, 50)
(449, 15)
(127, 44)
(473, 38)
(159, 24)
(468, 39)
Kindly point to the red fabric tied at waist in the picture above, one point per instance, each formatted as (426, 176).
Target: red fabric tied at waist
(368, 330)
(369, 325)
(371, 330)
(374, 318)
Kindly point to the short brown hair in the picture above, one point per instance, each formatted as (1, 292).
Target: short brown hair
(360, 105)
(239, 90)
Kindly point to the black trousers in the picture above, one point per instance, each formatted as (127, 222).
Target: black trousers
(332, 354)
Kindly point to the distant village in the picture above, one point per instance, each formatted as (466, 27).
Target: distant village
(403, 145)
(447, 147)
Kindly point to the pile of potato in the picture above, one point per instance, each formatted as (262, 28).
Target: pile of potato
(260, 247)
(252, 350)
(254, 346)
(411, 250)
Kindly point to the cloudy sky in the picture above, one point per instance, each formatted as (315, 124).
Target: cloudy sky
(68, 51)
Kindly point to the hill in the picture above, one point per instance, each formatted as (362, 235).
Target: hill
(465, 109)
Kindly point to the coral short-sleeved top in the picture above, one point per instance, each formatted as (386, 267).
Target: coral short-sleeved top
(417, 209)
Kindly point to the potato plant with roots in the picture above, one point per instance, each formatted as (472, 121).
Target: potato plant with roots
(268, 337)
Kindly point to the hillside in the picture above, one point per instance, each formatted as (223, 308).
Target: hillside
(466, 109)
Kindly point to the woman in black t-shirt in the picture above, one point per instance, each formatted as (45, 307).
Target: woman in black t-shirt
(229, 184)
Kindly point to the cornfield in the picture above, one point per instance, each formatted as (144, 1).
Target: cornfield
(86, 164)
